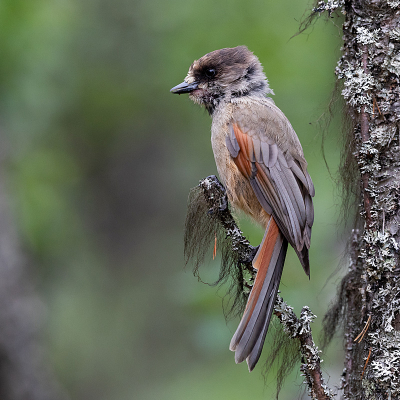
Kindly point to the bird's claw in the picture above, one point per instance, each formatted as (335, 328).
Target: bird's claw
(212, 180)
(249, 257)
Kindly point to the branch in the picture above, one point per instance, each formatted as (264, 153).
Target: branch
(297, 328)
(215, 196)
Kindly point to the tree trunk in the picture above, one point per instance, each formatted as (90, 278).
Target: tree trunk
(369, 298)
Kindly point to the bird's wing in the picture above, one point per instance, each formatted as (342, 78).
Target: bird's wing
(280, 181)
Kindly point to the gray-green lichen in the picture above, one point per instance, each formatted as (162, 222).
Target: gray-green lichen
(393, 3)
(370, 72)
(300, 329)
(329, 6)
(288, 318)
(357, 85)
(395, 34)
(364, 36)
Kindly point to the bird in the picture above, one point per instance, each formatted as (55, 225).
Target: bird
(261, 164)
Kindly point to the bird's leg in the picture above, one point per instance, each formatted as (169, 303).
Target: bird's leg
(247, 258)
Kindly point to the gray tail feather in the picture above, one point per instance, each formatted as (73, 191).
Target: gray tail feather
(253, 357)
(248, 340)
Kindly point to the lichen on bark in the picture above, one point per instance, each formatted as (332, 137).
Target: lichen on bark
(369, 298)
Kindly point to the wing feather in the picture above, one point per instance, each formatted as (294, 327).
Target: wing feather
(265, 152)
(273, 156)
(257, 150)
(232, 150)
(233, 139)
(296, 234)
(280, 182)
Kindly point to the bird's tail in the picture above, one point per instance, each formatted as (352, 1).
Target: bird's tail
(248, 340)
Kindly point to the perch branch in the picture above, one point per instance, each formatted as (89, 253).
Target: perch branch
(297, 328)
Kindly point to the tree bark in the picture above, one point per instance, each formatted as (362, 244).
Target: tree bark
(369, 298)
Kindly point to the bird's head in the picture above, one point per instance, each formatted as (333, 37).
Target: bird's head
(222, 75)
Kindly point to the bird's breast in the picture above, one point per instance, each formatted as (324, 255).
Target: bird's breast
(240, 193)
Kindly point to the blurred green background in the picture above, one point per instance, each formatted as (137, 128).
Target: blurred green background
(100, 158)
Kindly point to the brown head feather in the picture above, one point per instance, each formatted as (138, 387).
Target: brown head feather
(226, 73)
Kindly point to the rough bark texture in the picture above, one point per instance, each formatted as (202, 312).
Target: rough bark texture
(369, 299)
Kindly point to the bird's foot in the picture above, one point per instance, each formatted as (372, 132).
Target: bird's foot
(248, 258)
(212, 183)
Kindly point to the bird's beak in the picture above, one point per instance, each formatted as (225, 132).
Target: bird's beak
(184, 87)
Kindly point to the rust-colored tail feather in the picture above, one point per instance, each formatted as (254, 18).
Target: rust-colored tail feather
(248, 340)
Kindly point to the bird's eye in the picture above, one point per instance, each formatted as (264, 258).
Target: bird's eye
(210, 72)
